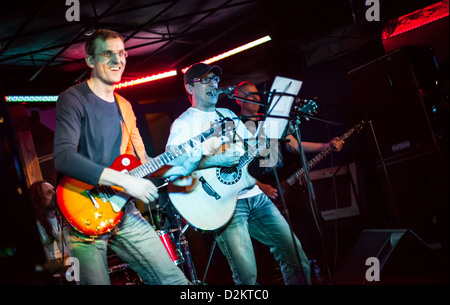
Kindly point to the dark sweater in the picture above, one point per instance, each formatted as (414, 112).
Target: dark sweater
(88, 134)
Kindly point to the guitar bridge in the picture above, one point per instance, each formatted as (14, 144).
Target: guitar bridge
(208, 189)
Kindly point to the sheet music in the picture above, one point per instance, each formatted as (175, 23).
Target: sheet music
(280, 105)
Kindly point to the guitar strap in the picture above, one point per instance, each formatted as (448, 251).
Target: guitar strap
(126, 127)
(235, 134)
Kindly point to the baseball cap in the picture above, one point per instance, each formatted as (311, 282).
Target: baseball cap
(199, 70)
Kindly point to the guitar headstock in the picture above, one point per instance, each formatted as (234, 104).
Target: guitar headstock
(359, 126)
(307, 107)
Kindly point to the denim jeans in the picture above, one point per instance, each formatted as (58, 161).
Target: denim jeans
(259, 218)
(135, 242)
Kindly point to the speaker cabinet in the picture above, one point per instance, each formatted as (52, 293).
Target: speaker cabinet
(406, 142)
(402, 259)
(399, 93)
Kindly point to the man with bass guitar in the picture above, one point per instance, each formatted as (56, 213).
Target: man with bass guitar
(247, 92)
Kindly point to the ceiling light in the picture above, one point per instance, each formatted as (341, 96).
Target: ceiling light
(233, 51)
(145, 79)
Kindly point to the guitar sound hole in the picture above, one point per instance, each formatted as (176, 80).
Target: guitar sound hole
(228, 175)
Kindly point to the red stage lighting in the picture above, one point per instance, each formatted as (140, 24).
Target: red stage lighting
(418, 18)
(233, 51)
(145, 79)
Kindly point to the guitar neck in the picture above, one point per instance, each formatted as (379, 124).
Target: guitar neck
(156, 163)
(249, 155)
(319, 157)
(301, 172)
(308, 108)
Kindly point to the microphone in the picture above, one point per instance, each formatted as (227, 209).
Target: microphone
(227, 90)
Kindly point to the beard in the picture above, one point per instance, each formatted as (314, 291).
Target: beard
(52, 204)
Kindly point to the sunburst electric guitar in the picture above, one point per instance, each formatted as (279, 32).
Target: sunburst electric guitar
(209, 203)
(96, 210)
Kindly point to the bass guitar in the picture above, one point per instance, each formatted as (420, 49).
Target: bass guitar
(96, 210)
(298, 175)
(209, 203)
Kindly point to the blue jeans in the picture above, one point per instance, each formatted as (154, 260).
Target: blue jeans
(259, 218)
(135, 242)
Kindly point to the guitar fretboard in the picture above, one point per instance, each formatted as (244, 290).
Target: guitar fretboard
(319, 157)
(249, 155)
(156, 163)
(308, 108)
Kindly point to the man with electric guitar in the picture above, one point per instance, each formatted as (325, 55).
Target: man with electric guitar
(225, 199)
(94, 127)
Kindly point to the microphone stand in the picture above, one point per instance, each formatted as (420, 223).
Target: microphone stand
(311, 194)
(308, 182)
(233, 96)
(278, 185)
(309, 186)
(307, 116)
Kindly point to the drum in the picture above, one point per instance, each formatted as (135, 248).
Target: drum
(120, 273)
(166, 237)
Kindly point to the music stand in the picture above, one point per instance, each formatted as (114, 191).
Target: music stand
(280, 100)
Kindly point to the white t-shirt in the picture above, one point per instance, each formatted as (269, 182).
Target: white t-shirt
(193, 122)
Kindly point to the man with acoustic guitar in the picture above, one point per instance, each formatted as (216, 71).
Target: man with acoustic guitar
(95, 125)
(252, 214)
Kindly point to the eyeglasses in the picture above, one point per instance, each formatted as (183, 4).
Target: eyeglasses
(207, 79)
(109, 54)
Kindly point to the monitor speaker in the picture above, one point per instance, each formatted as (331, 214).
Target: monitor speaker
(391, 257)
